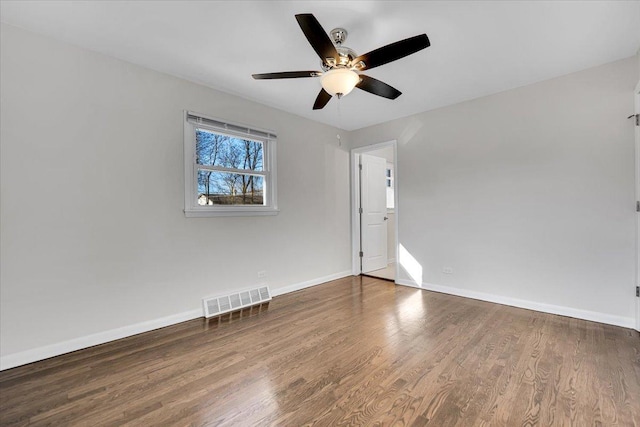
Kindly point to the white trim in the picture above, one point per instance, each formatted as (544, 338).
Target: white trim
(40, 353)
(636, 144)
(355, 219)
(309, 283)
(355, 198)
(409, 283)
(594, 316)
(391, 261)
(45, 352)
(197, 213)
(232, 170)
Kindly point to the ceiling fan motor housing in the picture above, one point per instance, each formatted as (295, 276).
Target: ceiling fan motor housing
(345, 54)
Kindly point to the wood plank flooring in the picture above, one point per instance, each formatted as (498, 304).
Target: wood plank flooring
(355, 351)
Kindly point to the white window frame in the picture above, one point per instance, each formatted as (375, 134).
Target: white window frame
(269, 141)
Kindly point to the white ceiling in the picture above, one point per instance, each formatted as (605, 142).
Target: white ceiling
(477, 47)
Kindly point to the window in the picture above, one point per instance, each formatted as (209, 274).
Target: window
(390, 186)
(229, 169)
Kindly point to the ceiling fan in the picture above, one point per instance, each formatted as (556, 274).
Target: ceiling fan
(342, 66)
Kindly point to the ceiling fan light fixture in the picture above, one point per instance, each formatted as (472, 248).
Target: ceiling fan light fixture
(341, 64)
(339, 81)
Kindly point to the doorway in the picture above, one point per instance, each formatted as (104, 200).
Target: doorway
(374, 201)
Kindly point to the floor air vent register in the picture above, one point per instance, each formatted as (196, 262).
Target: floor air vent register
(236, 301)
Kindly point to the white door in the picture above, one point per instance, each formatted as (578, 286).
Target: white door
(637, 111)
(373, 193)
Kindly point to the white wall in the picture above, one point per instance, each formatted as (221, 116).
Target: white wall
(638, 62)
(93, 233)
(385, 152)
(528, 195)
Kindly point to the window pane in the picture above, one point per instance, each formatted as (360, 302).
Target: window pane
(213, 149)
(223, 188)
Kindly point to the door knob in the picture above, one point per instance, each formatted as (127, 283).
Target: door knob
(385, 218)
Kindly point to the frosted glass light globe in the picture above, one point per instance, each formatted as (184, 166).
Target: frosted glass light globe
(339, 81)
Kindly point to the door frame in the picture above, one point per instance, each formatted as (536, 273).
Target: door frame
(636, 110)
(355, 201)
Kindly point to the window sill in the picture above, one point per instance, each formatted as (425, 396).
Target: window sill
(206, 213)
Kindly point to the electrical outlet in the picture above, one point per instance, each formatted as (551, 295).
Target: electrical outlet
(262, 274)
(447, 270)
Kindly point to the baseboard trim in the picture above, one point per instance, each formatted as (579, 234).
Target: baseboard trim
(29, 356)
(310, 283)
(594, 316)
(408, 283)
(40, 353)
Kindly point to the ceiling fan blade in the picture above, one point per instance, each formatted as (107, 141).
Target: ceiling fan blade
(287, 75)
(392, 52)
(321, 100)
(376, 87)
(317, 36)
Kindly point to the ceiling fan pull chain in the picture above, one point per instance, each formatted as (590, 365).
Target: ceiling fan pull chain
(339, 112)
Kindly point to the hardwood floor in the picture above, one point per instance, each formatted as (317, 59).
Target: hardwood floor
(388, 273)
(355, 351)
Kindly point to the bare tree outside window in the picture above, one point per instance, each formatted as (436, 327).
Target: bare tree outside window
(208, 148)
(225, 177)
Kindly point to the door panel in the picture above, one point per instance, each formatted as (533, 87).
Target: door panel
(374, 210)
